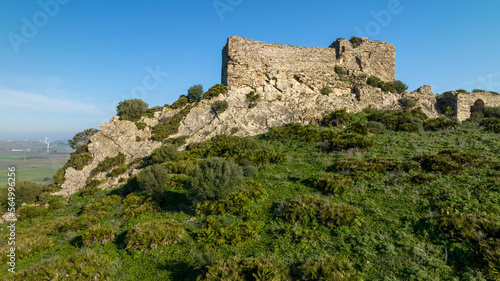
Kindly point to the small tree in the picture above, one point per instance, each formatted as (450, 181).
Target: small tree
(152, 179)
(195, 93)
(131, 109)
(81, 140)
(220, 106)
(214, 179)
(164, 153)
(25, 191)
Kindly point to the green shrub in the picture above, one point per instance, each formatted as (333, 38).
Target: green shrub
(151, 234)
(119, 170)
(219, 107)
(410, 124)
(164, 153)
(330, 268)
(468, 228)
(169, 126)
(98, 234)
(355, 41)
(326, 90)
(153, 179)
(399, 86)
(176, 180)
(150, 113)
(194, 93)
(214, 179)
(490, 251)
(359, 167)
(448, 161)
(336, 184)
(440, 123)
(110, 162)
(408, 103)
(59, 177)
(215, 235)
(247, 192)
(105, 204)
(374, 81)
(310, 208)
(247, 269)
(478, 91)
(346, 141)
(215, 91)
(182, 101)
(338, 117)
(492, 112)
(22, 192)
(131, 110)
(476, 116)
(462, 91)
(296, 131)
(84, 265)
(78, 161)
(340, 70)
(448, 110)
(252, 98)
(376, 127)
(135, 206)
(27, 212)
(357, 128)
(81, 140)
(140, 125)
(491, 124)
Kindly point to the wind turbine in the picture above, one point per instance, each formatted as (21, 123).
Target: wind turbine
(47, 142)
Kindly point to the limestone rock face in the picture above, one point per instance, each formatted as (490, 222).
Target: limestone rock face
(113, 138)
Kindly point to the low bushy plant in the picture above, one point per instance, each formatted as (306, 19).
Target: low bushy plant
(440, 123)
(338, 117)
(153, 179)
(326, 90)
(28, 212)
(215, 234)
(78, 161)
(355, 41)
(329, 268)
(22, 192)
(214, 179)
(336, 184)
(247, 269)
(110, 162)
(165, 153)
(346, 141)
(373, 81)
(136, 205)
(132, 109)
(182, 101)
(169, 126)
(448, 161)
(252, 98)
(98, 234)
(376, 127)
(491, 124)
(152, 234)
(296, 131)
(357, 128)
(492, 112)
(119, 170)
(215, 91)
(219, 107)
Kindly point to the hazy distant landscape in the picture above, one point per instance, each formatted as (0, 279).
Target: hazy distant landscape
(32, 160)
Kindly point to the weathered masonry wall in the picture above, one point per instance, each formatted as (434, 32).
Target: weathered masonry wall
(464, 103)
(252, 63)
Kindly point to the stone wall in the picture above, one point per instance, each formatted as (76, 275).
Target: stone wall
(252, 63)
(464, 103)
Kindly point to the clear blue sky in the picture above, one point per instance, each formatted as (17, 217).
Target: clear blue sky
(65, 67)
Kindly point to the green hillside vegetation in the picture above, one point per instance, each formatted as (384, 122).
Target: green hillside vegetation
(377, 195)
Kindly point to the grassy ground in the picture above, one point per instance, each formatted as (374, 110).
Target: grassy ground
(399, 233)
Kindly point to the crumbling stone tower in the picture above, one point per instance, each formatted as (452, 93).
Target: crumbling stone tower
(252, 63)
(464, 104)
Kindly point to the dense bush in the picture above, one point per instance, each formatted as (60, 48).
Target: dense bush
(81, 140)
(448, 161)
(132, 109)
(150, 113)
(394, 86)
(338, 117)
(164, 153)
(410, 124)
(215, 91)
(140, 125)
(441, 123)
(119, 170)
(296, 131)
(376, 127)
(326, 90)
(357, 128)
(491, 124)
(252, 99)
(152, 179)
(214, 179)
(169, 126)
(247, 192)
(408, 103)
(355, 41)
(194, 93)
(98, 234)
(330, 268)
(78, 161)
(135, 206)
(336, 184)
(310, 208)
(247, 269)
(219, 107)
(215, 234)
(492, 112)
(84, 265)
(346, 141)
(27, 212)
(448, 110)
(22, 192)
(151, 234)
(340, 70)
(373, 81)
(358, 167)
(182, 101)
(110, 162)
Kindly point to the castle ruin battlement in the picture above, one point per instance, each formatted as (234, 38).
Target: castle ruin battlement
(251, 63)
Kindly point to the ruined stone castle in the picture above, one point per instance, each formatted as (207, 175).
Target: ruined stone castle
(289, 81)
